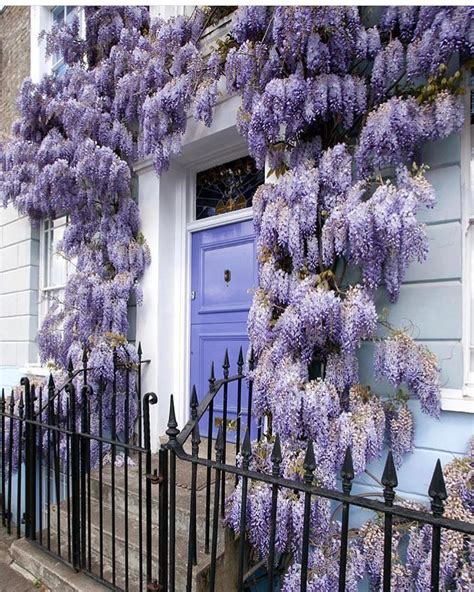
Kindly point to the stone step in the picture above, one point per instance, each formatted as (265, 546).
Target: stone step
(119, 542)
(137, 479)
(50, 572)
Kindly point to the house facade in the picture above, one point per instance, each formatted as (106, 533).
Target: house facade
(197, 220)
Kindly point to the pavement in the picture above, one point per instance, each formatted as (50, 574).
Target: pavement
(11, 580)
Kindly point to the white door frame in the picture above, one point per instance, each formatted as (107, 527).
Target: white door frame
(167, 206)
(188, 227)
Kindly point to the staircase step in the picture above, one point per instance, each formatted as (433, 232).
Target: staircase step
(51, 572)
(183, 482)
(119, 543)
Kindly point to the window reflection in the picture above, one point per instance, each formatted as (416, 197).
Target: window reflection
(227, 187)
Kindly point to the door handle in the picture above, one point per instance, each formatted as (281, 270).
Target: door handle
(227, 275)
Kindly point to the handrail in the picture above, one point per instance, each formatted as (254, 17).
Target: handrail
(62, 387)
(332, 494)
(204, 405)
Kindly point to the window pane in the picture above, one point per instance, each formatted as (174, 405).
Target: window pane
(58, 14)
(60, 67)
(227, 187)
(55, 265)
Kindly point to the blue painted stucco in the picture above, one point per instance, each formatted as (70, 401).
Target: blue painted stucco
(430, 305)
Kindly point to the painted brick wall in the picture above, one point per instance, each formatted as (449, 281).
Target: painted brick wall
(14, 61)
(19, 259)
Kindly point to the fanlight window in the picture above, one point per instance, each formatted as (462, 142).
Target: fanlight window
(227, 187)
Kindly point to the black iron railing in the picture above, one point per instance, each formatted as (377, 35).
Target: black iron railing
(69, 499)
(136, 527)
(219, 468)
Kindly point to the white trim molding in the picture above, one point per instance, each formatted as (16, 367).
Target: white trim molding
(457, 400)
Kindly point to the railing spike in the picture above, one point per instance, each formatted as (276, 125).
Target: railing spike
(246, 450)
(51, 381)
(347, 471)
(172, 430)
(194, 402)
(139, 349)
(309, 463)
(212, 377)
(251, 358)
(389, 476)
(220, 445)
(276, 456)
(240, 360)
(3, 397)
(437, 490)
(389, 479)
(70, 367)
(84, 355)
(226, 364)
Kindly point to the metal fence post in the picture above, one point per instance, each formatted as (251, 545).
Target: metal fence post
(147, 399)
(30, 461)
(75, 485)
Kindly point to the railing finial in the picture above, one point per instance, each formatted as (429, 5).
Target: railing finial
(309, 463)
(251, 359)
(226, 364)
(240, 361)
(172, 430)
(389, 479)
(220, 445)
(212, 377)
(437, 490)
(194, 402)
(246, 450)
(276, 456)
(347, 471)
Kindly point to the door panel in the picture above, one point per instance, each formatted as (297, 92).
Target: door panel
(223, 276)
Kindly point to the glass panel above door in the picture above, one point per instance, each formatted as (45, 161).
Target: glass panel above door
(227, 187)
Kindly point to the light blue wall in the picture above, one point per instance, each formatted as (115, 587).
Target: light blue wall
(431, 304)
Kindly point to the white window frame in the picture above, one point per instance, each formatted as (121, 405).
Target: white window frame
(46, 287)
(54, 66)
(455, 400)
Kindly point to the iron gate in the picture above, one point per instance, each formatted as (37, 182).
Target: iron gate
(76, 481)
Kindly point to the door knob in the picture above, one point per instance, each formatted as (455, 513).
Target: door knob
(227, 276)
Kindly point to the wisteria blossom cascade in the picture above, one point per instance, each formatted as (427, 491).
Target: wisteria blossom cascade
(336, 102)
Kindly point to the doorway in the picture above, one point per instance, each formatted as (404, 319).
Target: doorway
(223, 276)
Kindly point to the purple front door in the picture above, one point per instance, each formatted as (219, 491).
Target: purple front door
(224, 273)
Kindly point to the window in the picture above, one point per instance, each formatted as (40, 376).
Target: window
(468, 206)
(227, 187)
(61, 15)
(54, 268)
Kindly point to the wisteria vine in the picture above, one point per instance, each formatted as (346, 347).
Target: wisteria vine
(336, 102)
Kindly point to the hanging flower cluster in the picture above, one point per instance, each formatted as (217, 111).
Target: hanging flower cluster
(337, 101)
(124, 94)
(457, 552)
(338, 106)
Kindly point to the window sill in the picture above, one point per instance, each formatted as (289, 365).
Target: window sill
(35, 370)
(457, 400)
